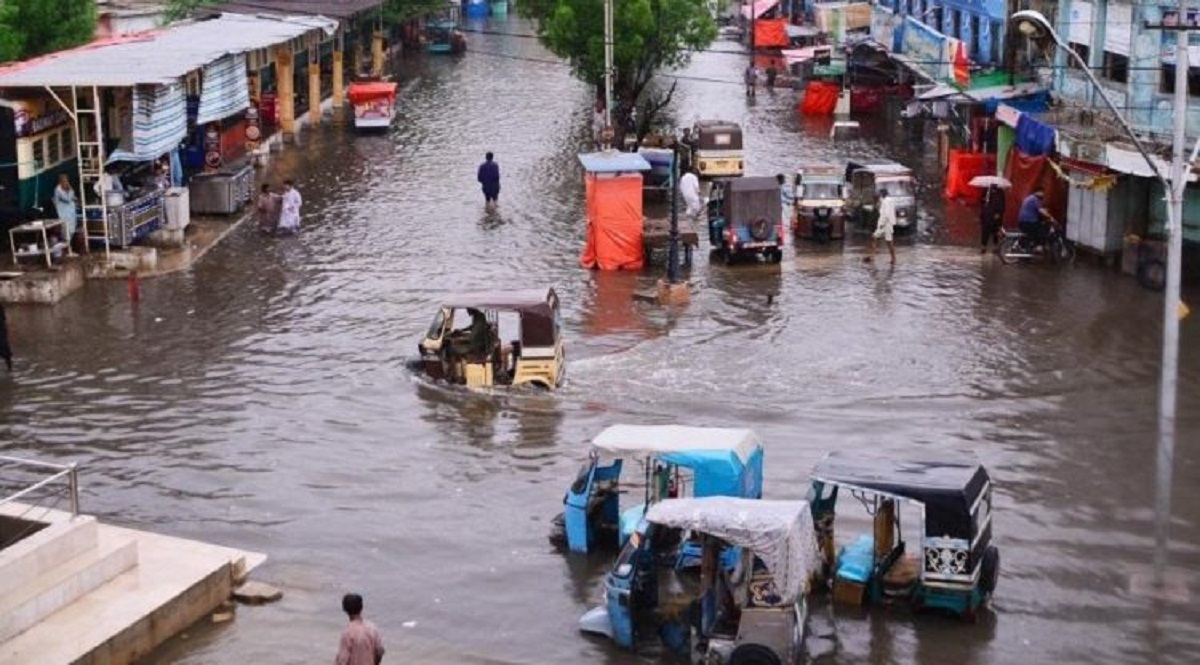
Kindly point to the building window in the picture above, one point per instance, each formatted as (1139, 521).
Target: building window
(68, 144)
(52, 155)
(1167, 83)
(956, 16)
(936, 20)
(974, 23)
(39, 157)
(997, 32)
(1084, 53)
(1116, 67)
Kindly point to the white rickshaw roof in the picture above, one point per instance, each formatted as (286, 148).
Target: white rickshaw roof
(780, 533)
(650, 440)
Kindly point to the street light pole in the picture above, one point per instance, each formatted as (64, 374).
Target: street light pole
(673, 236)
(1031, 22)
(608, 62)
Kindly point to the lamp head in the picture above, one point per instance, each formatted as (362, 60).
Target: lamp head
(1033, 24)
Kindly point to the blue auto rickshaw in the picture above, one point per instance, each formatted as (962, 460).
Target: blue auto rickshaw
(745, 218)
(676, 461)
(752, 612)
(955, 567)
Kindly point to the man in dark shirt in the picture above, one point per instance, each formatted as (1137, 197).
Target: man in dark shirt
(1031, 214)
(489, 177)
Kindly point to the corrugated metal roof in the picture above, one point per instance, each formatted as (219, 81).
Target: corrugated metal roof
(335, 8)
(160, 56)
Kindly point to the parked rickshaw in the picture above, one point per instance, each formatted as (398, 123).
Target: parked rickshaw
(867, 179)
(820, 195)
(955, 566)
(745, 218)
(716, 149)
(475, 355)
(753, 612)
(676, 461)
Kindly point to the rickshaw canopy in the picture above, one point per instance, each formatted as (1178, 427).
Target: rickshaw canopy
(780, 533)
(949, 489)
(718, 135)
(365, 91)
(719, 457)
(749, 198)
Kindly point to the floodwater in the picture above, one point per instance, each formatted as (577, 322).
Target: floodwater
(260, 399)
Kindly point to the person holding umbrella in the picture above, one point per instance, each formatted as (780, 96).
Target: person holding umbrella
(991, 217)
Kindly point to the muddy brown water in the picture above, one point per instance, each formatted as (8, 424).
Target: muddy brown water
(261, 400)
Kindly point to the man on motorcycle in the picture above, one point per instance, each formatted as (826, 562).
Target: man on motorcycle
(1029, 219)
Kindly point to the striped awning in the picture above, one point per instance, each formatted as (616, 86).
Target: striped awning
(159, 123)
(225, 89)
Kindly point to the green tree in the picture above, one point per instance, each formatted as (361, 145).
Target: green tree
(179, 9)
(30, 28)
(648, 37)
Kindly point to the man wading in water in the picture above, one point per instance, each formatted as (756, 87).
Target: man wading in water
(489, 177)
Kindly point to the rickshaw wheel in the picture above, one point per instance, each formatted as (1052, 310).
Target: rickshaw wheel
(754, 654)
(990, 573)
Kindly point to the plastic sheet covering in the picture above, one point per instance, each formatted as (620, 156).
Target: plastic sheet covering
(1026, 173)
(1033, 137)
(771, 33)
(225, 91)
(820, 98)
(964, 166)
(780, 533)
(614, 210)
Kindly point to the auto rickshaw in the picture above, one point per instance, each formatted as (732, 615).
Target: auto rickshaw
(745, 218)
(820, 195)
(955, 566)
(476, 356)
(749, 613)
(716, 149)
(676, 461)
(867, 179)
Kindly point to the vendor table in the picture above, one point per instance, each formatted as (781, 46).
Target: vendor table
(656, 235)
(41, 228)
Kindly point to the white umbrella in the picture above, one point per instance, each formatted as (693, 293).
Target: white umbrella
(990, 180)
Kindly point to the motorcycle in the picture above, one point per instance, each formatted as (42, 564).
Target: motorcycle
(1017, 246)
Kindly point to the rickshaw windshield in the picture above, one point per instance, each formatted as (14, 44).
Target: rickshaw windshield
(820, 190)
(895, 187)
(438, 325)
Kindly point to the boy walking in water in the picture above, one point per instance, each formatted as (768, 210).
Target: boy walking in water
(361, 643)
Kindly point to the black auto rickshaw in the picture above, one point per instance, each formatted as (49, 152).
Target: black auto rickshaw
(745, 218)
(955, 567)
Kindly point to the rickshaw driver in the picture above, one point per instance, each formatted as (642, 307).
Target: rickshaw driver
(472, 341)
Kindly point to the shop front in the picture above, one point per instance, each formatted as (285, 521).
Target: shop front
(37, 143)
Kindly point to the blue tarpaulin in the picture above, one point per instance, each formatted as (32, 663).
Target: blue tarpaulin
(1034, 138)
(1036, 103)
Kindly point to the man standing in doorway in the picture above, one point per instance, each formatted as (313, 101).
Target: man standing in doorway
(361, 643)
(886, 226)
(489, 177)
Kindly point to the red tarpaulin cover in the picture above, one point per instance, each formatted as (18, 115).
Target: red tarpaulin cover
(770, 33)
(1026, 173)
(366, 91)
(820, 98)
(614, 232)
(963, 167)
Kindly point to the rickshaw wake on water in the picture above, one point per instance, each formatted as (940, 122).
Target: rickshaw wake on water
(676, 461)
(955, 566)
(476, 356)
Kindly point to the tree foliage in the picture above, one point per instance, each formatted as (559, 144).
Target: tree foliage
(30, 28)
(179, 9)
(400, 11)
(648, 37)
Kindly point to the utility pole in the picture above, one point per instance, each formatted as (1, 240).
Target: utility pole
(608, 64)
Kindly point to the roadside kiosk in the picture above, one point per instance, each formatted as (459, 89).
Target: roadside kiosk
(613, 181)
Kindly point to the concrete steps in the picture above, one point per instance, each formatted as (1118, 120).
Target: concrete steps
(61, 566)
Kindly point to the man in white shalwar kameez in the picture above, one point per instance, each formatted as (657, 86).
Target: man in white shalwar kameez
(289, 216)
(689, 189)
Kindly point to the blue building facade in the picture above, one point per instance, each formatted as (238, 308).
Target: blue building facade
(979, 24)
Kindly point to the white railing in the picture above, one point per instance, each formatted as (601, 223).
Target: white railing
(38, 485)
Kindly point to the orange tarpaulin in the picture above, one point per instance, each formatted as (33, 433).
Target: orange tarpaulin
(614, 232)
(963, 167)
(820, 98)
(367, 91)
(1026, 174)
(770, 33)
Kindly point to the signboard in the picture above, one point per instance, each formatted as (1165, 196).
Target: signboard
(34, 116)
(926, 48)
(1117, 29)
(883, 26)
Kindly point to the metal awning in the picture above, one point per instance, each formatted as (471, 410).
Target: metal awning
(160, 56)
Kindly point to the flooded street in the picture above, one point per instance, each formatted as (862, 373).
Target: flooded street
(261, 400)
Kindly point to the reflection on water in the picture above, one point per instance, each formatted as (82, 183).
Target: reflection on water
(261, 399)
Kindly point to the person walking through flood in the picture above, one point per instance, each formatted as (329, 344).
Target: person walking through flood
(489, 177)
(267, 210)
(289, 216)
(689, 189)
(64, 207)
(991, 217)
(787, 202)
(750, 75)
(886, 226)
(5, 349)
(361, 643)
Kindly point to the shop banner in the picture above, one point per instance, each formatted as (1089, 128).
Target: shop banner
(1080, 31)
(837, 19)
(1118, 34)
(883, 27)
(926, 48)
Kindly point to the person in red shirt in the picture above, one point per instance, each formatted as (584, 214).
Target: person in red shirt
(361, 643)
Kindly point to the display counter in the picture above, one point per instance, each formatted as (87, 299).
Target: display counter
(130, 221)
(223, 192)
